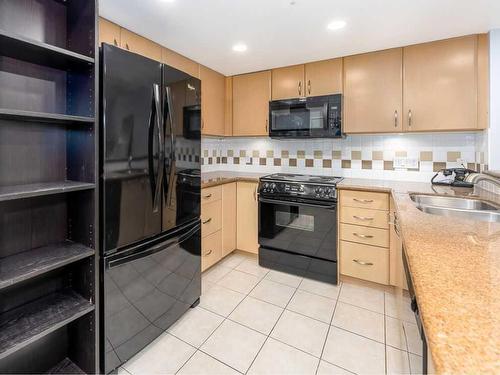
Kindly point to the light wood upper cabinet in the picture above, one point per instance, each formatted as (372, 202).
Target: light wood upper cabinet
(213, 86)
(228, 107)
(251, 95)
(440, 85)
(373, 92)
(288, 82)
(228, 218)
(324, 77)
(109, 32)
(483, 87)
(247, 220)
(137, 44)
(180, 62)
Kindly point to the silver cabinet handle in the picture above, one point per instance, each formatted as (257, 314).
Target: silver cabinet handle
(115, 42)
(207, 253)
(362, 200)
(267, 124)
(126, 46)
(362, 263)
(207, 221)
(409, 118)
(396, 118)
(363, 218)
(362, 235)
(300, 88)
(208, 196)
(309, 87)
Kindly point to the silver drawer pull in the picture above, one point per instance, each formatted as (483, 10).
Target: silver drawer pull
(362, 263)
(364, 218)
(208, 196)
(207, 221)
(362, 235)
(363, 200)
(207, 253)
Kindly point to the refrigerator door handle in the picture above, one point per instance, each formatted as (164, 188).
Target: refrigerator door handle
(152, 180)
(161, 147)
(169, 110)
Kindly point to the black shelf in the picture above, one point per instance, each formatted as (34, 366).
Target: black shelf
(36, 262)
(28, 323)
(33, 51)
(53, 118)
(66, 366)
(8, 193)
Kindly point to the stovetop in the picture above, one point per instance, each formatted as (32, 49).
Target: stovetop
(284, 185)
(303, 178)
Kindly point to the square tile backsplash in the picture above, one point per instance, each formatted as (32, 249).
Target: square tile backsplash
(363, 156)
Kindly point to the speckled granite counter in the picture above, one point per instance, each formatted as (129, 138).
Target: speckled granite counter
(455, 268)
(209, 179)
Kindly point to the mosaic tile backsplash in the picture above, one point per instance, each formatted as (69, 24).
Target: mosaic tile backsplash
(411, 157)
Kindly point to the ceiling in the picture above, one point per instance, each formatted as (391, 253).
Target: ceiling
(287, 32)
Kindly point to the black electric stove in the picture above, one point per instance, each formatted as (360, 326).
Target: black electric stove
(298, 225)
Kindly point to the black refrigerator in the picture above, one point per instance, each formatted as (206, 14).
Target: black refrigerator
(149, 201)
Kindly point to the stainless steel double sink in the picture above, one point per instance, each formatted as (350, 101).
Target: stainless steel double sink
(466, 208)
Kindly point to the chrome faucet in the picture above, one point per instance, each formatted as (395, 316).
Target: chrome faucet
(474, 178)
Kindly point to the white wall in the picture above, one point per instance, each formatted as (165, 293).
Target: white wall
(494, 130)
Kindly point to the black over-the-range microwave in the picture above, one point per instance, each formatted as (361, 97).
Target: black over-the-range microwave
(312, 117)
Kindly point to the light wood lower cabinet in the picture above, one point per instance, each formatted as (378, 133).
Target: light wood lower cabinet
(364, 262)
(211, 250)
(364, 217)
(228, 218)
(211, 217)
(247, 217)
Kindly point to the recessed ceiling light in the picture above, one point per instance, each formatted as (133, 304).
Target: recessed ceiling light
(336, 25)
(240, 47)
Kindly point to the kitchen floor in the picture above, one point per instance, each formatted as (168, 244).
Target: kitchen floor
(258, 321)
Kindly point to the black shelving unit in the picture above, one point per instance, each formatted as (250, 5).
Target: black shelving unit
(48, 186)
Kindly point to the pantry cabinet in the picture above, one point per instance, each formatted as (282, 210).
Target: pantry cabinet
(247, 217)
(213, 86)
(109, 32)
(373, 95)
(180, 62)
(323, 77)
(251, 95)
(288, 82)
(440, 85)
(140, 45)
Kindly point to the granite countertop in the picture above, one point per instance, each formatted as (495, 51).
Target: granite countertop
(209, 179)
(455, 268)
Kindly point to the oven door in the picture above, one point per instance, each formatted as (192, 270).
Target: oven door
(302, 236)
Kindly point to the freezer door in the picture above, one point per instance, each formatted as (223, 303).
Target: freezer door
(182, 118)
(132, 141)
(146, 289)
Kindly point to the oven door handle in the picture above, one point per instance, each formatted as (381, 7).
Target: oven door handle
(288, 203)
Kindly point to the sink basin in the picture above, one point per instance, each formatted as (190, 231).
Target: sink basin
(453, 202)
(488, 216)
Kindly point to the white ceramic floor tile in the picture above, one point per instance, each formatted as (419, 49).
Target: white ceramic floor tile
(233, 260)
(221, 300)
(362, 296)
(205, 285)
(301, 332)
(252, 267)
(413, 339)
(391, 308)
(394, 333)
(152, 359)
(122, 371)
(284, 278)
(397, 361)
(234, 345)
(354, 353)
(256, 314)
(278, 358)
(320, 288)
(312, 305)
(358, 320)
(239, 281)
(275, 293)
(196, 326)
(215, 273)
(201, 364)
(326, 368)
(416, 364)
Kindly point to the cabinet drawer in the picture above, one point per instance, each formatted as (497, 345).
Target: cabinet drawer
(364, 262)
(211, 194)
(364, 199)
(211, 250)
(364, 217)
(366, 235)
(211, 217)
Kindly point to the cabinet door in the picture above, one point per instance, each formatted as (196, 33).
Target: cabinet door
(137, 44)
(288, 82)
(324, 77)
(440, 90)
(177, 61)
(247, 220)
(228, 107)
(228, 218)
(212, 101)
(373, 92)
(251, 95)
(109, 32)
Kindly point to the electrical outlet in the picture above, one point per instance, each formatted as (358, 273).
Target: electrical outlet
(399, 163)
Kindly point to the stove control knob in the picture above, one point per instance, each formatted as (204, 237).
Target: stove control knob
(319, 191)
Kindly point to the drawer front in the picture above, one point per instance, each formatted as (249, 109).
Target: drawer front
(211, 194)
(365, 235)
(364, 262)
(364, 199)
(364, 217)
(211, 250)
(211, 218)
